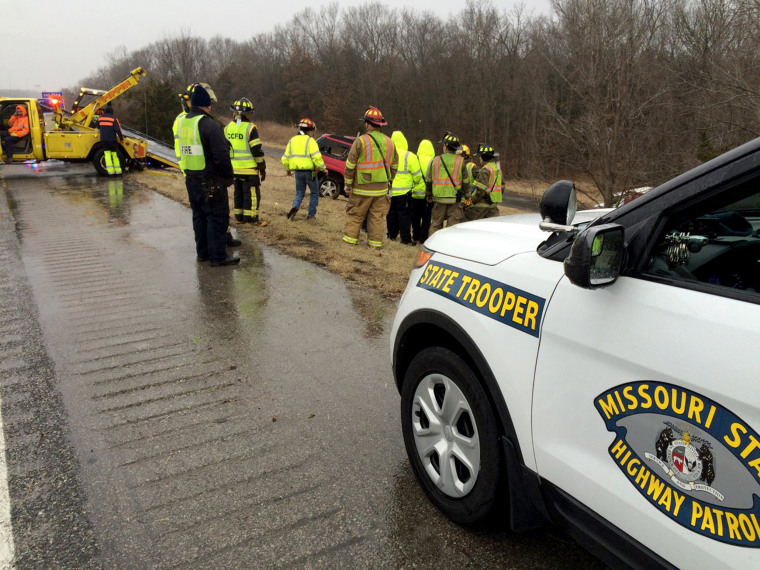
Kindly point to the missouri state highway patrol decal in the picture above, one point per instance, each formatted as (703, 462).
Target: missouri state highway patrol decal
(691, 458)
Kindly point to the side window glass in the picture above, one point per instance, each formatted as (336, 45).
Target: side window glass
(716, 243)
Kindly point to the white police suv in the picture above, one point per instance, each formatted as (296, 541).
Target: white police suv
(605, 376)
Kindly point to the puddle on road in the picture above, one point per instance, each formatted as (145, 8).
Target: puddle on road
(240, 293)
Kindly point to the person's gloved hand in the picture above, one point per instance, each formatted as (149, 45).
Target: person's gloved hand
(227, 182)
(263, 175)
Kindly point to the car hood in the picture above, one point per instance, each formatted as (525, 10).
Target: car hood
(491, 241)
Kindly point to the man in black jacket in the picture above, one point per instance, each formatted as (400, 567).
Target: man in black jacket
(205, 160)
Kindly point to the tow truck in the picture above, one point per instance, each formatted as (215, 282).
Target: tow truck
(73, 136)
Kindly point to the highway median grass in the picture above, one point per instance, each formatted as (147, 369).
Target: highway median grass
(385, 271)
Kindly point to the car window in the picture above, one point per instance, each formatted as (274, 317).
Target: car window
(714, 245)
(334, 149)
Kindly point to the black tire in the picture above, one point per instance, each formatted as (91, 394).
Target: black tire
(99, 161)
(331, 186)
(476, 505)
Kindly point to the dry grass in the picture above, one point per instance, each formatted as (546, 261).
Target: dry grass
(320, 242)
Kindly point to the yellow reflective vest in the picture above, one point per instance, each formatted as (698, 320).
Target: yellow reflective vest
(408, 175)
(239, 135)
(444, 170)
(191, 155)
(493, 186)
(302, 153)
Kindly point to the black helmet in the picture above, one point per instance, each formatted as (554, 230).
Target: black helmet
(242, 105)
(486, 151)
(451, 141)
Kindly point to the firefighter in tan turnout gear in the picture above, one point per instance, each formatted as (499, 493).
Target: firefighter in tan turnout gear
(247, 161)
(447, 184)
(487, 186)
(370, 168)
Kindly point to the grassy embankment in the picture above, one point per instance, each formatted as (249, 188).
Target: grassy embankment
(385, 271)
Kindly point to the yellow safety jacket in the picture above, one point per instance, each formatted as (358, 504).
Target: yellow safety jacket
(444, 192)
(374, 164)
(408, 175)
(175, 130)
(302, 153)
(243, 161)
(191, 155)
(425, 154)
(470, 171)
(494, 185)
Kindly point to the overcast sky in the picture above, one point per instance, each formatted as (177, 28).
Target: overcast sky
(50, 44)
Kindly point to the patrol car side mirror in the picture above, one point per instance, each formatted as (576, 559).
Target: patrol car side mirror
(596, 256)
(557, 207)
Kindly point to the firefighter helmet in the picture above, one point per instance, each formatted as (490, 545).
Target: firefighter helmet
(306, 124)
(486, 151)
(206, 86)
(242, 105)
(465, 151)
(451, 140)
(374, 117)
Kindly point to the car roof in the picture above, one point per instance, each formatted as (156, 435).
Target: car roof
(345, 139)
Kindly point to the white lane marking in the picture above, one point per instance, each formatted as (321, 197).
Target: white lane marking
(7, 551)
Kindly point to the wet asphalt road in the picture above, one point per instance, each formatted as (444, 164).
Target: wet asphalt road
(162, 413)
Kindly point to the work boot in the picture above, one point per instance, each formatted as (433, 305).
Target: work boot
(292, 213)
(233, 242)
(229, 260)
(311, 218)
(255, 220)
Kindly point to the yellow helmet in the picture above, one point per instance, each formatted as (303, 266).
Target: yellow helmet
(464, 151)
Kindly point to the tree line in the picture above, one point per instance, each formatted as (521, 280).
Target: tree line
(623, 92)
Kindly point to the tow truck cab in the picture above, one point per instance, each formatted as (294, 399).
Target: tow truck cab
(47, 141)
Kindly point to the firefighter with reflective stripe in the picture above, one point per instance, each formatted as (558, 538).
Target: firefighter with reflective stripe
(110, 130)
(184, 101)
(487, 188)
(447, 184)
(247, 161)
(370, 168)
(303, 157)
(18, 129)
(407, 177)
(421, 208)
(205, 160)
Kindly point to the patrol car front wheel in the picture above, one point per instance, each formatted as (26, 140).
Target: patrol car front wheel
(451, 436)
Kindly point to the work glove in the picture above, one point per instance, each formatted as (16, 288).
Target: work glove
(263, 175)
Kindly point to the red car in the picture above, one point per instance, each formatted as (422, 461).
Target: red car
(334, 149)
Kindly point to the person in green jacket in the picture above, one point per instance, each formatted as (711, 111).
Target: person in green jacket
(408, 176)
(447, 184)
(487, 187)
(421, 208)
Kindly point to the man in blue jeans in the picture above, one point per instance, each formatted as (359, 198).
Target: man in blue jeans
(302, 156)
